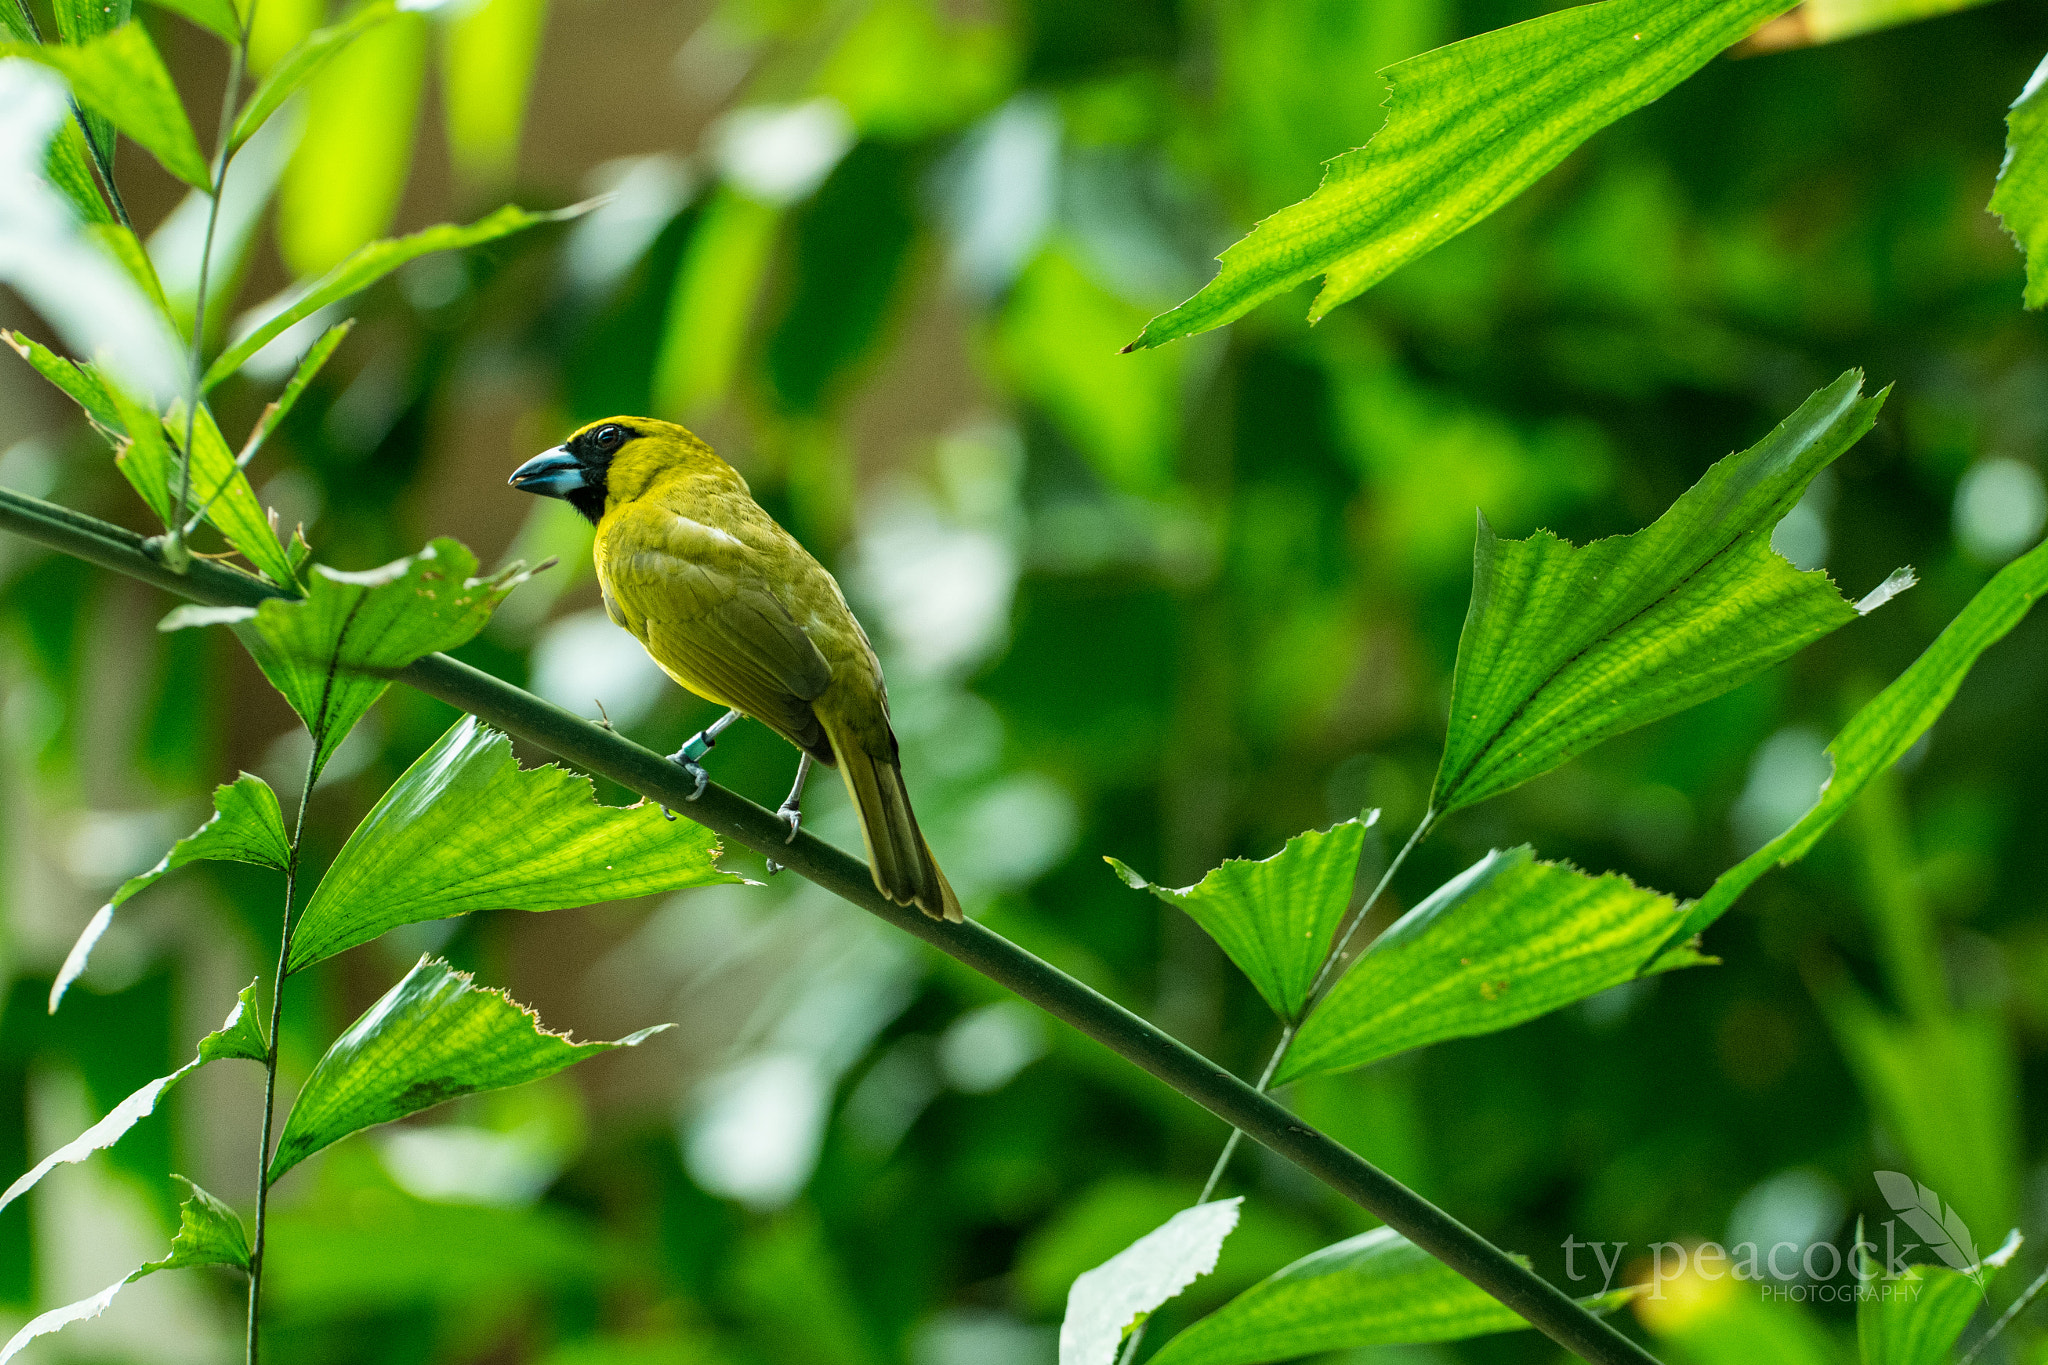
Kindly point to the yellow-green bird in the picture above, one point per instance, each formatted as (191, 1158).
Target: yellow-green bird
(735, 610)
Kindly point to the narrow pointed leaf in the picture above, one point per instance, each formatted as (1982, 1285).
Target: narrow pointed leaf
(1469, 127)
(215, 16)
(231, 1039)
(1106, 1301)
(222, 489)
(1830, 21)
(69, 167)
(246, 827)
(209, 1233)
(1275, 919)
(80, 21)
(333, 652)
(144, 455)
(1375, 1289)
(302, 63)
(1891, 723)
(2021, 199)
(373, 263)
(1564, 647)
(1916, 1318)
(78, 380)
(1507, 940)
(466, 828)
(278, 409)
(126, 248)
(434, 1037)
(119, 76)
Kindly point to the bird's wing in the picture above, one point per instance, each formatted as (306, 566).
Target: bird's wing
(697, 603)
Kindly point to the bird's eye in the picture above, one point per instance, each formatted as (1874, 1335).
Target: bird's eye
(608, 439)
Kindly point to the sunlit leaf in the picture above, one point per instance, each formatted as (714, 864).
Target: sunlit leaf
(466, 828)
(246, 827)
(120, 76)
(488, 53)
(1916, 1318)
(301, 64)
(1507, 940)
(80, 21)
(1375, 1289)
(343, 186)
(215, 16)
(1469, 127)
(143, 454)
(222, 490)
(239, 1037)
(434, 1037)
(1880, 734)
(209, 1233)
(711, 303)
(2021, 198)
(79, 381)
(1565, 647)
(1106, 1301)
(333, 652)
(373, 263)
(1275, 919)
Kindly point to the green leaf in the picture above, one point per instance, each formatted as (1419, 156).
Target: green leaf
(215, 16)
(275, 411)
(80, 21)
(373, 263)
(221, 489)
(69, 167)
(466, 829)
(434, 1037)
(209, 1233)
(301, 64)
(246, 827)
(231, 1039)
(1880, 734)
(488, 54)
(2021, 198)
(711, 304)
(120, 76)
(1376, 1289)
(1564, 647)
(1507, 940)
(333, 652)
(143, 454)
(80, 382)
(1916, 1318)
(1275, 919)
(1469, 127)
(1105, 1302)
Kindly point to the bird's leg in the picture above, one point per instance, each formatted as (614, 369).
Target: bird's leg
(690, 757)
(792, 808)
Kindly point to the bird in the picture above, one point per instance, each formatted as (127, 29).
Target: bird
(733, 608)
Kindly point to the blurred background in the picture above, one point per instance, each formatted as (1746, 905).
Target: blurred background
(1173, 607)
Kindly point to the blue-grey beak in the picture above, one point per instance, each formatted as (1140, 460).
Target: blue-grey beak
(552, 474)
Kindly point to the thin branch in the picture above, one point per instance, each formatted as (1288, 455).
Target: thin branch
(2019, 1306)
(238, 61)
(101, 159)
(591, 746)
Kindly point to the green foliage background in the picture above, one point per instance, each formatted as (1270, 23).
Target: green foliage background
(1174, 606)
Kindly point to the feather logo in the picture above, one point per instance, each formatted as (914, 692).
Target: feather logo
(1947, 1235)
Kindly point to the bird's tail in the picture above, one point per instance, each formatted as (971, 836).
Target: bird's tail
(901, 860)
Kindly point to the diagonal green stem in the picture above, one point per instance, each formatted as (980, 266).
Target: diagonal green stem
(589, 745)
(102, 160)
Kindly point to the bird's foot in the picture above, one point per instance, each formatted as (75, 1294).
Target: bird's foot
(688, 758)
(792, 815)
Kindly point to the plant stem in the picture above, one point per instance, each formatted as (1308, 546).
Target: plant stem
(2019, 1306)
(638, 769)
(102, 162)
(284, 952)
(238, 60)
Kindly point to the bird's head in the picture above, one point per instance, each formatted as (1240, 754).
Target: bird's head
(617, 454)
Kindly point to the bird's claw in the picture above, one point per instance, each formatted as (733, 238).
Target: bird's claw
(794, 818)
(687, 761)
